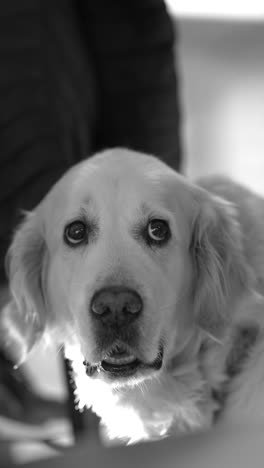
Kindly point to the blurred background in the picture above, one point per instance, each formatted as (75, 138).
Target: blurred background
(220, 54)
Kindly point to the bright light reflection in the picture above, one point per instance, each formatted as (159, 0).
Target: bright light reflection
(253, 9)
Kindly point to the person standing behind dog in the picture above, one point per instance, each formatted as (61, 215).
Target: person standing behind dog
(76, 77)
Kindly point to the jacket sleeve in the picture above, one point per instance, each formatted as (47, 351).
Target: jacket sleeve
(132, 43)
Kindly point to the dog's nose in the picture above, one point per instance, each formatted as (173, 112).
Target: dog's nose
(116, 304)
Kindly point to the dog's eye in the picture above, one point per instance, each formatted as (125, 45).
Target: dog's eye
(75, 233)
(158, 231)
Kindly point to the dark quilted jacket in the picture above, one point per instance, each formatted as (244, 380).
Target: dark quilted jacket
(75, 77)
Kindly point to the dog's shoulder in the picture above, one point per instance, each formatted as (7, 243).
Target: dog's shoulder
(234, 192)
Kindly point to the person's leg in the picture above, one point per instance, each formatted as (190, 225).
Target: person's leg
(134, 52)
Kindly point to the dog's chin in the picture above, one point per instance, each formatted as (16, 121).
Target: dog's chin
(121, 366)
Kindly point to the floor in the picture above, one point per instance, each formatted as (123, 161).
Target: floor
(222, 88)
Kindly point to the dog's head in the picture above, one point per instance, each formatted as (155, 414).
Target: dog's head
(121, 262)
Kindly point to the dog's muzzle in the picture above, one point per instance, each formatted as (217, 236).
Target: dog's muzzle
(115, 312)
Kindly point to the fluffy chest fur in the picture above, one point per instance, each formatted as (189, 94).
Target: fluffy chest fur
(162, 405)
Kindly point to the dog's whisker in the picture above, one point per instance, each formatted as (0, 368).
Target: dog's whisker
(213, 338)
(59, 349)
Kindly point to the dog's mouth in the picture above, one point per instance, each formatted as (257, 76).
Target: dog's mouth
(119, 361)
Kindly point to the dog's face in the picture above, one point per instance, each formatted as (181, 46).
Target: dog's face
(121, 261)
(118, 265)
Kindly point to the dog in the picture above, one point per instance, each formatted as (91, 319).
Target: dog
(154, 287)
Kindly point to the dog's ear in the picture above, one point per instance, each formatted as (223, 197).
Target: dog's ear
(221, 274)
(23, 319)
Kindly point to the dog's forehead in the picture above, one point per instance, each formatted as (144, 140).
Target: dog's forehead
(123, 184)
(122, 168)
(119, 182)
(116, 176)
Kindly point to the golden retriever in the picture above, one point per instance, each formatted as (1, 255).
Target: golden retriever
(153, 285)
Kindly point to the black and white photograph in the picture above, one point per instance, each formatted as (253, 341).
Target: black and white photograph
(131, 234)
